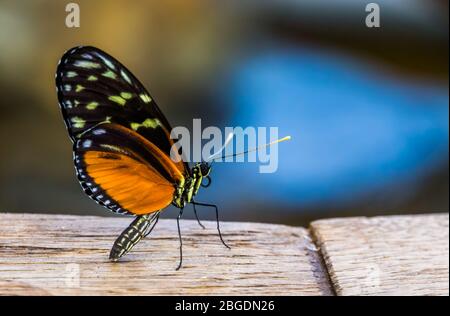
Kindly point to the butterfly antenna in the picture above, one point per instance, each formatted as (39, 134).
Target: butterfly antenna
(225, 144)
(259, 147)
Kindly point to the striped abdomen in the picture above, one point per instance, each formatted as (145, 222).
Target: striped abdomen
(139, 228)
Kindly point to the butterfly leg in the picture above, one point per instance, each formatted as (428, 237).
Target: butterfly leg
(217, 220)
(181, 241)
(196, 216)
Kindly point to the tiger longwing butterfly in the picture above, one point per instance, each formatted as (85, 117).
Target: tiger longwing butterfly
(121, 145)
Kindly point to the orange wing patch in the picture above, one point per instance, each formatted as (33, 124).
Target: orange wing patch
(136, 186)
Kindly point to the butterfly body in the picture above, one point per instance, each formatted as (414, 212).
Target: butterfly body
(121, 143)
(186, 191)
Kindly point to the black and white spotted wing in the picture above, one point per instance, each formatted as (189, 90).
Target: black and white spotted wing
(93, 87)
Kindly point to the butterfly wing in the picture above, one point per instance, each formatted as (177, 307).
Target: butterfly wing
(135, 177)
(94, 87)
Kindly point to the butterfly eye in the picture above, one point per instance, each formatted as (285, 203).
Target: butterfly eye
(208, 182)
(205, 169)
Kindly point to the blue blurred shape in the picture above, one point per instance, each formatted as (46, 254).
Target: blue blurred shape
(354, 129)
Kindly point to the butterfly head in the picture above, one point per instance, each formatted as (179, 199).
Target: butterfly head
(205, 169)
(200, 173)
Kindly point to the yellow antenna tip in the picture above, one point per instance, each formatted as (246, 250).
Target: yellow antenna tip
(285, 138)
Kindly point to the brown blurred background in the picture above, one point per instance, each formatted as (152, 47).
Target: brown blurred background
(203, 59)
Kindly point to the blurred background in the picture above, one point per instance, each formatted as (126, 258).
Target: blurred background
(367, 108)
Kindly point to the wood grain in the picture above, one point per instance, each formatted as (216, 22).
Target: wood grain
(68, 255)
(394, 255)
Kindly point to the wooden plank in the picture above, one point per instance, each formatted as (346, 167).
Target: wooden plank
(393, 255)
(67, 255)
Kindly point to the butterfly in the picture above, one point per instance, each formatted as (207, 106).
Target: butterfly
(122, 145)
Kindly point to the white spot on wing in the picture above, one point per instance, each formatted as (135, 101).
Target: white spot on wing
(99, 131)
(125, 76)
(86, 64)
(87, 143)
(106, 61)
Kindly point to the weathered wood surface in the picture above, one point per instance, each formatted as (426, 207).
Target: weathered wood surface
(394, 255)
(68, 255)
